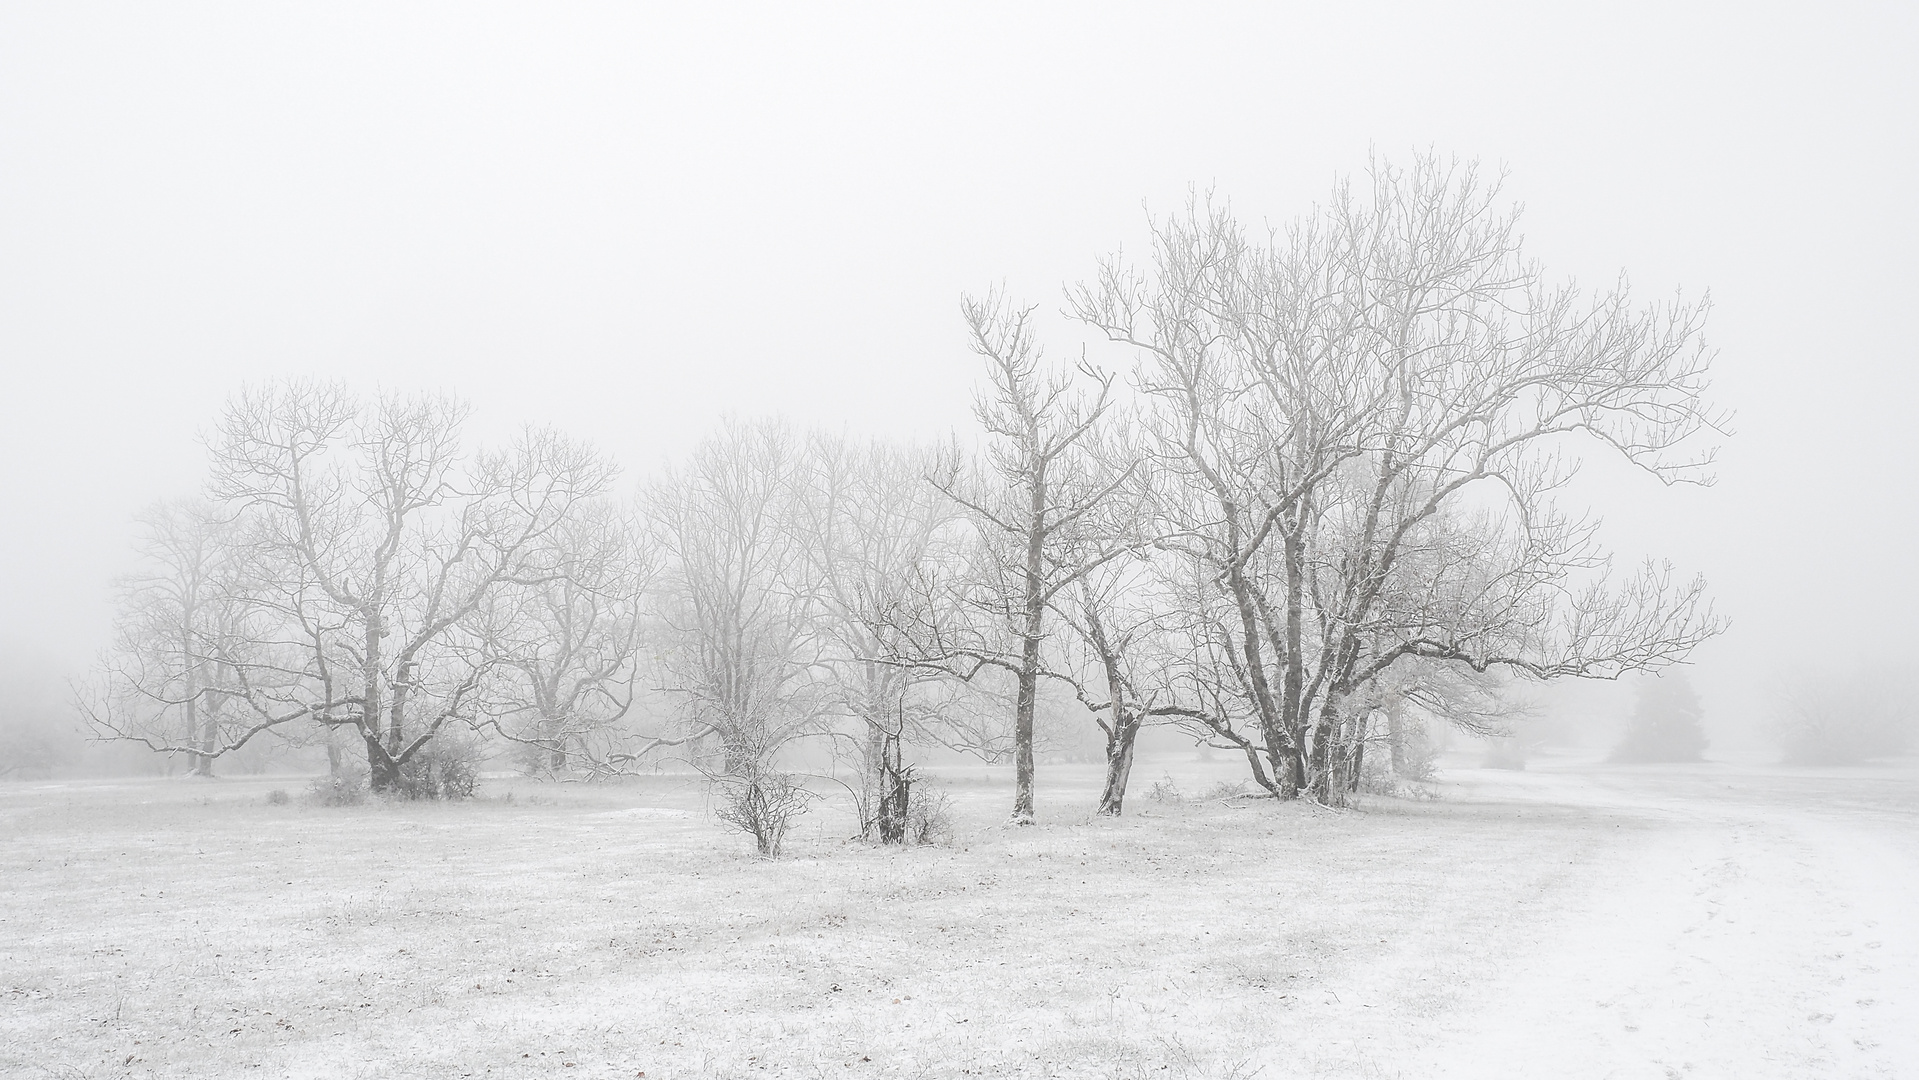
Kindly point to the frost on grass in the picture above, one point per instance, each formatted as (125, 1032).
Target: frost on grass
(146, 932)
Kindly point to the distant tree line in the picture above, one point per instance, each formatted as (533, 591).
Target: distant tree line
(1310, 503)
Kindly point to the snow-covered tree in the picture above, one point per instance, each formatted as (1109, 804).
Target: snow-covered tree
(1367, 415)
(369, 542)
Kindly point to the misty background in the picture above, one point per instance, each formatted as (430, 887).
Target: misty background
(630, 222)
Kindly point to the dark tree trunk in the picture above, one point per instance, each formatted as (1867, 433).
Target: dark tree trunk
(895, 794)
(1035, 614)
(383, 772)
(1328, 785)
(1395, 739)
(1124, 729)
(1023, 734)
(1360, 726)
(1292, 707)
(889, 780)
(1119, 765)
(1278, 734)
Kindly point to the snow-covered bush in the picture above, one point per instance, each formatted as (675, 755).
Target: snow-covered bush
(446, 768)
(346, 788)
(929, 819)
(1225, 790)
(762, 802)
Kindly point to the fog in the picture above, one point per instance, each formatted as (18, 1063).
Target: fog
(723, 246)
(629, 224)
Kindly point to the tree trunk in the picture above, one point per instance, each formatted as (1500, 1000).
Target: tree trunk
(1395, 739)
(383, 773)
(202, 762)
(1326, 786)
(1119, 765)
(887, 778)
(1124, 729)
(198, 762)
(1023, 733)
(209, 739)
(1279, 740)
(1291, 706)
(396, 716)
(1035, 612)
(1360, 726)
(895, 793)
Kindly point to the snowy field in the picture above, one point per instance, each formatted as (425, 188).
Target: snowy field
(1574, 920)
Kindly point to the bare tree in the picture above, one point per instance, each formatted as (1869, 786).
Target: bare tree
(878, 538)
(1369, 414)
(565, 643)
(1033, 514)
(740, 641)
(183, 632)
(762, 802)
(1828, 718)
(1122, 653)
(1115, 629)
(377, 543)
(1396, 710)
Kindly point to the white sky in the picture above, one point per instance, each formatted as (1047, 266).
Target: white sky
(626, 220)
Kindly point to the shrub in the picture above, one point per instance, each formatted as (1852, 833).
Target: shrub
(343, 789)
(929, 818)
(1396, 770)
(1224, 790)
(761, 802)
(277, 797)
(1415, 757)
(446, 768)
(1165, 791)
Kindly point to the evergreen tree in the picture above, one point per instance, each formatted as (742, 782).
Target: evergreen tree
(1665, 722)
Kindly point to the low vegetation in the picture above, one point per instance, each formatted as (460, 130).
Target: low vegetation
(186, 929)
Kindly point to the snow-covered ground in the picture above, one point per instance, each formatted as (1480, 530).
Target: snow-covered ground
(1575, 920)
(1768, 926)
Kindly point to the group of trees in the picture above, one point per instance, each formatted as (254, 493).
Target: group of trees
(353, 572)
(1826, 718)
(1317, 507)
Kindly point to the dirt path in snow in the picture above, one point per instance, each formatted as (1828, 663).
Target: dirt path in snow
(1768, 928)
